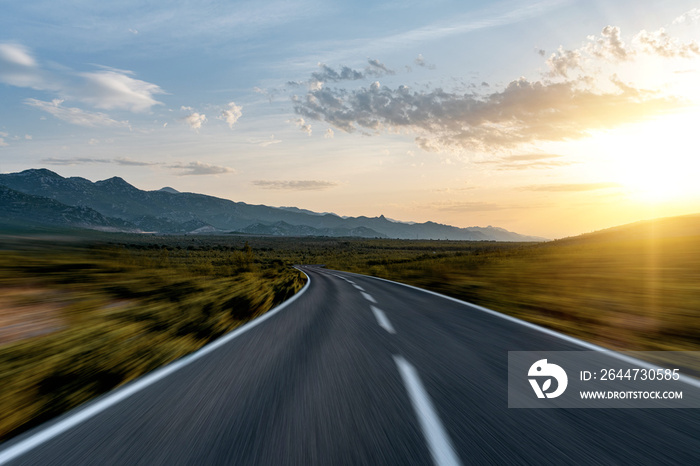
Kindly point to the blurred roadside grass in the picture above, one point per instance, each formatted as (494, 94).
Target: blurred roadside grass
(87, 318)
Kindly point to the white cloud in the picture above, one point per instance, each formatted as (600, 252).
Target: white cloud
(195, 120)
(3, 143)
(302, 125)
(232, 114)
(199, 168)
(110, 89)
(17, 54)
(329, 134)
(562, 61)
(107, 88)
(661, 44)
(689, 17)
(18, 67)
(420, 61)
(75, 115)
(609, 45)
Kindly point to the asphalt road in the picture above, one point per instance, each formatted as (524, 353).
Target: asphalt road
(356, 371)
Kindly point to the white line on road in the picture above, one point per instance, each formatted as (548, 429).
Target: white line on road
(359, 287)
(438, 440)
(382, 319)
(369, 297)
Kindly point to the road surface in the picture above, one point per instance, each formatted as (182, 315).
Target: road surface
(355, 370)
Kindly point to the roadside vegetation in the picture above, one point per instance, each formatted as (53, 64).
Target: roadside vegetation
(77, 320)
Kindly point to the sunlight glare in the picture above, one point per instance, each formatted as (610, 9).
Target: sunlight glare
(657, 161)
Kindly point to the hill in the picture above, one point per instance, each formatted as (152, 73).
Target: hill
(169, 211)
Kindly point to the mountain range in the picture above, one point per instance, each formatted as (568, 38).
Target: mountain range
(40, 197)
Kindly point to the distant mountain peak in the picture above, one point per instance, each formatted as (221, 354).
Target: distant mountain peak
(168, 189)
(39, 172)
(116, 182)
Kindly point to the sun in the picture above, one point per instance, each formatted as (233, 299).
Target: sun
(659, 160)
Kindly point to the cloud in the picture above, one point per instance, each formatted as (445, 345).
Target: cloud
(689, 17)
(18, 67)
(302, 125)
(524, 112)
(132, 163)
(328, 74)
(571, 187)
(195, 120)
(661, 44)
(420, 61)
(609, 45)
(84, 160)
(295, 185)
(528, 161)
(562, 61)
(329, 134)
(232, 114)
(265, 142)
(3, 143)
(112, 89)
(73, 160)
(76, 116)
(17, 54)
(107, 88)
(199, 168)
(376, 68)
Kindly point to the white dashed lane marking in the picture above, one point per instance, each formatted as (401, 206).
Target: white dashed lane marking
(438, 441)
(382, 319)
(369, 297)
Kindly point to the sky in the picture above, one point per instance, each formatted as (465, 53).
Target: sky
(550, 118)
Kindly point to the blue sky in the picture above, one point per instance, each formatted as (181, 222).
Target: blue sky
(550, 118)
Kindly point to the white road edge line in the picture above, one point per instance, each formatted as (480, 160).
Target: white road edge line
(382, 319)
(584, 344)
(369, 297)
(438, 441)
(92, 409)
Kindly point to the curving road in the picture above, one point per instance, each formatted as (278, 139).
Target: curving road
(355, 370)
